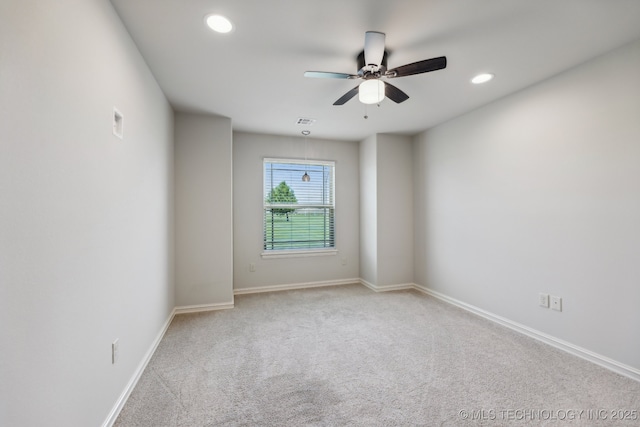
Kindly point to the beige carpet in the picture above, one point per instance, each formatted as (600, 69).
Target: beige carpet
(346, 356)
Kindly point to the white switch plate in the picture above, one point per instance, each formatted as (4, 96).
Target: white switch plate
(544, 300)
(556, 303)
(252, 267)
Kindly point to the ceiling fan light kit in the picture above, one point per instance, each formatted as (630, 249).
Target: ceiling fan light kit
(371, 91)
(372, 66)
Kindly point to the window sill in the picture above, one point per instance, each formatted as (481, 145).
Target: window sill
(298, 254)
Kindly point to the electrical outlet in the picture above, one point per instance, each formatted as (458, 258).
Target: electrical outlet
(118, 123)
(115, 349)
(344, 261)
(543, 300)
(556, 303)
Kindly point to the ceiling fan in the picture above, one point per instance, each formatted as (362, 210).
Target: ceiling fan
(372, 66)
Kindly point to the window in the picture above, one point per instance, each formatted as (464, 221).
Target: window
(298, 215)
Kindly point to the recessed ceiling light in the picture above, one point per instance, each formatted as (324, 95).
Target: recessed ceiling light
(481, 78)
(219, 23)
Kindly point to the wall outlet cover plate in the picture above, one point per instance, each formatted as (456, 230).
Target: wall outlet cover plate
(544, 300)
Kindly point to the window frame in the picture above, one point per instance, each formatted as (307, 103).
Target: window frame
(309, 252)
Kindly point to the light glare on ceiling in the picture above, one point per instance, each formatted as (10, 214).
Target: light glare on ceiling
(219, 23)
(481, 78)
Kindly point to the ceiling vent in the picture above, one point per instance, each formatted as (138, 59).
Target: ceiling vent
(305, 122)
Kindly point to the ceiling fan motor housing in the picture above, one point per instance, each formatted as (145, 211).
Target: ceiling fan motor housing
(378, 71)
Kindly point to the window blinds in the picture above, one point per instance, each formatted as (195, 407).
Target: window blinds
(298, 215)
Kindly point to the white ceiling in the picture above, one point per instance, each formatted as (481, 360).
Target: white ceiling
(254, 75)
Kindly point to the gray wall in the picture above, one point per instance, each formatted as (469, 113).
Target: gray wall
(540, 192)
(395, 210)
(386, 207)
(85, 218)
(203, 186)
(249, 150)
(369, 209)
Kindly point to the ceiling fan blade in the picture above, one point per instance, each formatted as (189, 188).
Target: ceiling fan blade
(394, 94)
(419, 67)
(347, 96)
(373, 47)
(329, 75)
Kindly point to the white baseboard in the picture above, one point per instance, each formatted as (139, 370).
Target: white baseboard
(292, 286)
(203, 307)
(113, 415)
(387, 288)
(575, 350)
